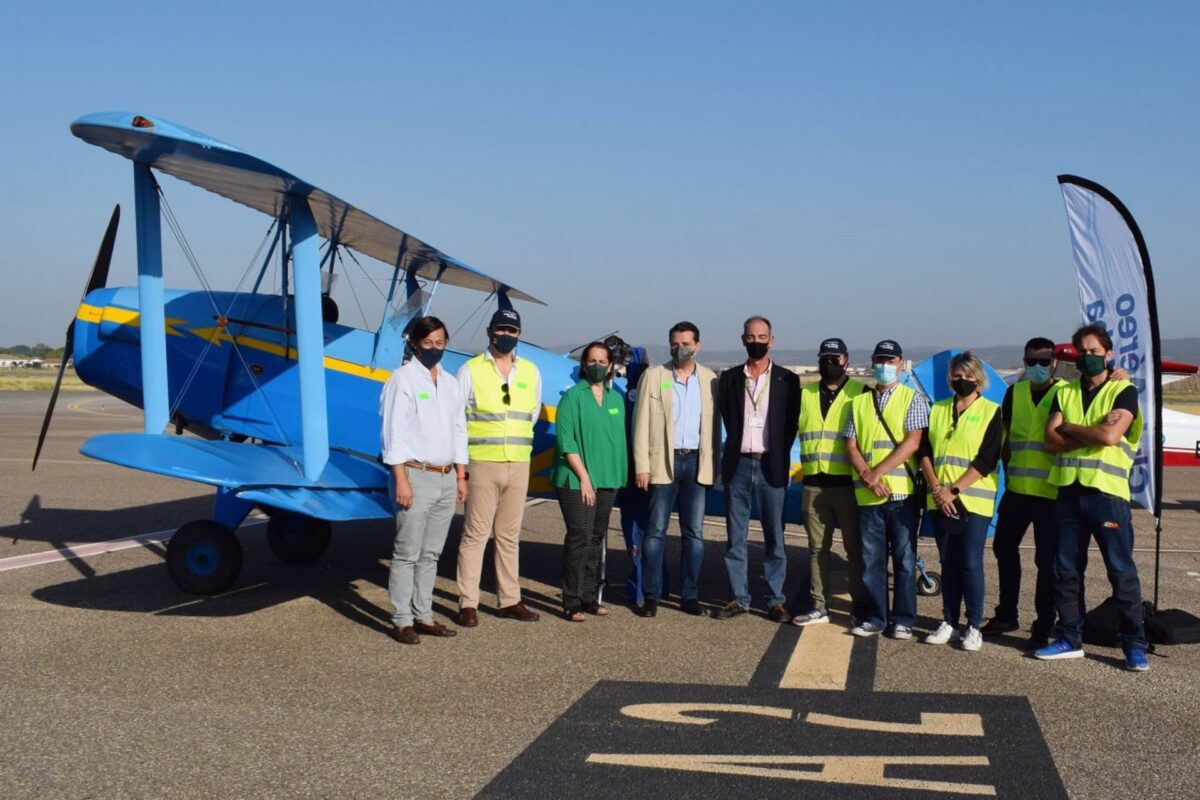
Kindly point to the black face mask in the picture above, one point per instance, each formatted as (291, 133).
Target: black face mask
(756, 350)
(504, 343)
(428, 356)
(1090, 365)
(963, 387)
(831, 369)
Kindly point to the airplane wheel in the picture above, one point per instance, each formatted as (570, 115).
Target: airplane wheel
(204, 557)
(929, 584)
(297, 539)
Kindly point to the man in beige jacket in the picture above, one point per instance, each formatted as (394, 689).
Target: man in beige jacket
(674, 458)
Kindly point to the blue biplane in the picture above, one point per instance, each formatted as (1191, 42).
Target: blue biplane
(281, 399)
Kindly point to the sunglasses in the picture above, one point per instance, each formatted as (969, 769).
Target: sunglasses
(507, 399)
(1041, 362)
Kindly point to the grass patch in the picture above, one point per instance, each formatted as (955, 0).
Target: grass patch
(39, 380)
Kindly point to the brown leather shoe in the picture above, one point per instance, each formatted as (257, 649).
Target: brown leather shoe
(433, 629)
(519, 612)
(468, 617)
(405, 635)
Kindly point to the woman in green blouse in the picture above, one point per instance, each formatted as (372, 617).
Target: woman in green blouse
(589, 467)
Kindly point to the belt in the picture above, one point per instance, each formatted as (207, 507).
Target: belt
(421, 465)
(685, 451)
(754, 456)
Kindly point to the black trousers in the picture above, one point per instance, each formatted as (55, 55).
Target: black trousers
(587, 535)
(1017, 513)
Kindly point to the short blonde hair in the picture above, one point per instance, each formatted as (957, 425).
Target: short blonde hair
(971, 363)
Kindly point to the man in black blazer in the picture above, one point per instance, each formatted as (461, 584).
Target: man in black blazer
(760, 406)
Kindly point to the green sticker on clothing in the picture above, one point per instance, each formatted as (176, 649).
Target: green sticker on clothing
(423, 395)
(665, 385)
(614, 411)
(522, 385)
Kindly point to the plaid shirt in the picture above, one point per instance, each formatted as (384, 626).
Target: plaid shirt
(915, 419)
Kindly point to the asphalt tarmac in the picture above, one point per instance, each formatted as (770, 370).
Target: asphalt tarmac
(113, 684)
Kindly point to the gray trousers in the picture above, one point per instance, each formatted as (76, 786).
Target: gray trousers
(420, 535)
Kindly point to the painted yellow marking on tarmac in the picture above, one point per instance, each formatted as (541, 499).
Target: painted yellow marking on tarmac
(821, 659)
(844, 770)
(674, 712)
(931, 724)
(78, 406)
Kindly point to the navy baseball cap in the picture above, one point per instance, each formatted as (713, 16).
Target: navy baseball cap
(506, 318)
(832, 347)
(888, 348)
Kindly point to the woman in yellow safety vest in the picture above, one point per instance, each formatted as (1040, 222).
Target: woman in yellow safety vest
(590, 465)
(958, 457)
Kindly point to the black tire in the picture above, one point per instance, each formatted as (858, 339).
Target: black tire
(297, 539)
(204, 557)
(929, 584)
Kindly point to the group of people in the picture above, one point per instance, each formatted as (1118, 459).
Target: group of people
(874, 459)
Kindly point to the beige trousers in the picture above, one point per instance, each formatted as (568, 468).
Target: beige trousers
(495, 504)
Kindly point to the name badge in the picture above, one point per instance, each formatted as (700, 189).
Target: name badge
(757, 422)
(522, 385)
(423, 395)
(665, 385)
(614, 411)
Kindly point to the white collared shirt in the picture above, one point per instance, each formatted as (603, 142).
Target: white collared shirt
(521, 367)
(423, 421)
(758, 398)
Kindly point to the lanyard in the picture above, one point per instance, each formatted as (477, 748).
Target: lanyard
(755, 400)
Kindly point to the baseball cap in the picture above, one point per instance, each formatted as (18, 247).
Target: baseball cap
(888, 348)
(506, 318)
(832, 347)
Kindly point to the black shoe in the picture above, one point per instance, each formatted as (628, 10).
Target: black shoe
(777, 613)
(647, 609)
(692, 606)
(730, 609)
(1037, 642)
(996, 626)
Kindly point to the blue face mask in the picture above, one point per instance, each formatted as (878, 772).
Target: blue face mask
(885, 374)
(1037, 373)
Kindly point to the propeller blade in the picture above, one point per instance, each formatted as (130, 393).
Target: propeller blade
(99, 276)
(97, 280)
(62, 368)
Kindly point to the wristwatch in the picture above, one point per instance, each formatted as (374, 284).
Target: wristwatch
(466, 476)
(954, 490)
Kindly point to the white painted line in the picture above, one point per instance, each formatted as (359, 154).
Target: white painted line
(54, 461)
(94, 549)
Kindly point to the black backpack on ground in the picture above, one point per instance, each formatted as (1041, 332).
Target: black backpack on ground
(1102, 625)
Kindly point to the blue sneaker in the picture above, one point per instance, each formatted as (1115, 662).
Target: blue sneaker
(1059, 648)
(1135, 660)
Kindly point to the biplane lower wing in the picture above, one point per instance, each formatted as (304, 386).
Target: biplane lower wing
(350, 486)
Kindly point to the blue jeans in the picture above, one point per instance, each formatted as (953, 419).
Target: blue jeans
(748, 486)
(691, 525)
(960, 547)
(1080, 516)
(891, 525)
(634, 505)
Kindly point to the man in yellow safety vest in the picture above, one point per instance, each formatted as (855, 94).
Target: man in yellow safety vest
(503, 395)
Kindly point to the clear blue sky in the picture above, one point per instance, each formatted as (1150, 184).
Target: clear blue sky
(853, 169)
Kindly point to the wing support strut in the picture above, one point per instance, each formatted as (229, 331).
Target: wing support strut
(310, 339)
(153, 326)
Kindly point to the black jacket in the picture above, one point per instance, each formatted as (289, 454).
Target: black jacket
(783, 413)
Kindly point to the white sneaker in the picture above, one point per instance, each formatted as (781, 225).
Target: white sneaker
(866, 629)
(973, 640)
(942, 635)
(815, 617)
(900, 632)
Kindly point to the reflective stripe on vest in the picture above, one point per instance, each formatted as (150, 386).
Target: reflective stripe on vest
(1028, 468)
(955, 445)
(875, 445)
(1101, 467)
(822, 448)
(495, 431)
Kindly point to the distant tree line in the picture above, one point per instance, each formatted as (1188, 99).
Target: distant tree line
(39, 350)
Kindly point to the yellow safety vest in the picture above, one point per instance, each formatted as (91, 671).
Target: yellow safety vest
(1029, 465)
(955, 446)
(822, 448)
(499, 431)
(1101, 467)
(875, 445)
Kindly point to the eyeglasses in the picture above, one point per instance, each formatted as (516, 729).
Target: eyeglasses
(1041, 362)
(507, 399)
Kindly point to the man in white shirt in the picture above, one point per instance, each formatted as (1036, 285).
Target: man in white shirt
(425, 446)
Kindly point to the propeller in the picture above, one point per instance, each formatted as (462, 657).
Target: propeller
(98, 279)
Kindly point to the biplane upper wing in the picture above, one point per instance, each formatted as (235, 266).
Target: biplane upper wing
(234, 174)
